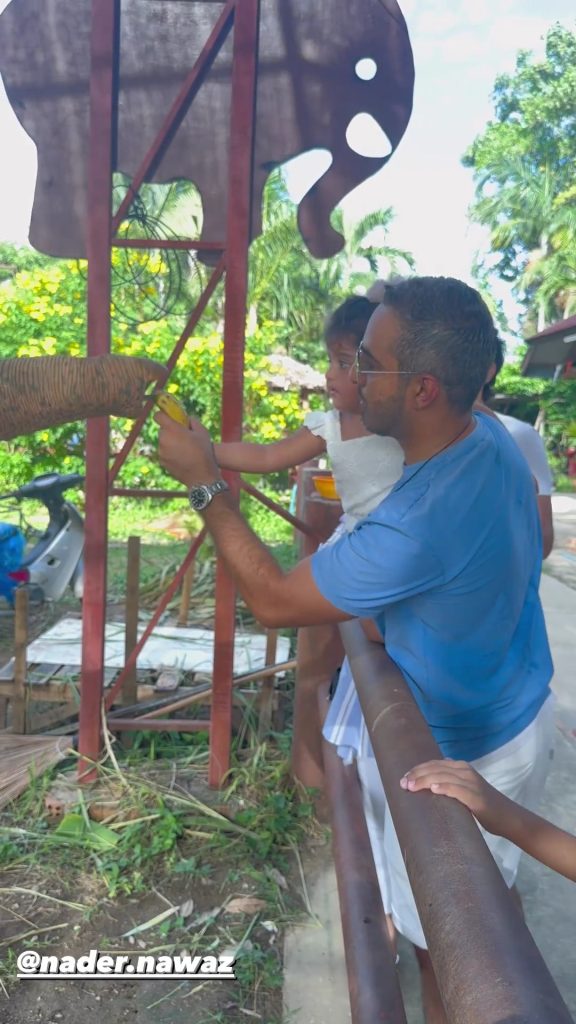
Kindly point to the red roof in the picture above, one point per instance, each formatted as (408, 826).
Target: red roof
(560, 327)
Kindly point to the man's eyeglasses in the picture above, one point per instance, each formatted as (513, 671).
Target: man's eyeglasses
(361, 369)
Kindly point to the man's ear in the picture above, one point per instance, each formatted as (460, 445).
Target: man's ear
(426, 391)
(491, 373)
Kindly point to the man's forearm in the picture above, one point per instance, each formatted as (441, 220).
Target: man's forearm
(276, 598)
(253, 569)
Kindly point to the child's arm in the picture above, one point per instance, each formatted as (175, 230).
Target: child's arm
(497, 813)
(267, 458)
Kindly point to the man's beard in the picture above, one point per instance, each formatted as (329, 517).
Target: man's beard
(386, 417)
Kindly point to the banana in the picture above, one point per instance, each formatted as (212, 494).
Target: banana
(172, 407)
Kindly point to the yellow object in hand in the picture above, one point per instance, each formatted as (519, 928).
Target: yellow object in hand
(172, 407)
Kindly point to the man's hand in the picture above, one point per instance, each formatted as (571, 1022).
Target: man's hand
(186, 453)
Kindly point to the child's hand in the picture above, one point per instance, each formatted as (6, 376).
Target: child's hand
(458, 779)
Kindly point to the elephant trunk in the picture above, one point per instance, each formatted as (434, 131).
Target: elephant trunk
(46, 391)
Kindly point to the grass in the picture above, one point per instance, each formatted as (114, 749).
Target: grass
(167, 835)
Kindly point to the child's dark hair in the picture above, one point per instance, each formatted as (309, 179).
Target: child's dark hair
(350, 318)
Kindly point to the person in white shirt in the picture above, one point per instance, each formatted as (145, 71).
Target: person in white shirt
(532, 447)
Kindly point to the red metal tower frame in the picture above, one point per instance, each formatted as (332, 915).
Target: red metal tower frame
(242, 17)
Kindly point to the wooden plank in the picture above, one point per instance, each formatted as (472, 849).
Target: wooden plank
(129, 687)
(184, 610)
(19, 697)
(40, 720)
(49, 692)
(39, 675)
(266, 695)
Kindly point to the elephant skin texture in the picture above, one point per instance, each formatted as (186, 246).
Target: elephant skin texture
(46, 391)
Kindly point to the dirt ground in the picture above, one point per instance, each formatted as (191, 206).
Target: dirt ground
(32, 918)
(216, 913)
(146, 1001)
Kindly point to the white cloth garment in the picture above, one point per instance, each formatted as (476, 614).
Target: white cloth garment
(365, 468)
(518, 769)
(533, 449)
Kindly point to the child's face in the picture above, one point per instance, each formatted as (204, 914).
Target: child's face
(342, 390)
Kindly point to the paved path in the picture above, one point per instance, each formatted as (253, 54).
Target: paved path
(561, 563)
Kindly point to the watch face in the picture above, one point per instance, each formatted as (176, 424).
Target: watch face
(199, 498)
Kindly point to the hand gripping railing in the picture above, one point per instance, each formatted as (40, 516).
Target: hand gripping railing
(487, 965)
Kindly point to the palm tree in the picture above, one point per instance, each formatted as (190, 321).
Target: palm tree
(286, 284)
(365, 243)
(552, 281)
(533, 228)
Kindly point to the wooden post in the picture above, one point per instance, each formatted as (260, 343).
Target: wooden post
(19, 704)
(267, 692)
(187, 582)
(319, 650)
(129, 688)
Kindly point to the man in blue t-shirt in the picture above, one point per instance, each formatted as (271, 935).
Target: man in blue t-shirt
(453, 587)
(447, 566)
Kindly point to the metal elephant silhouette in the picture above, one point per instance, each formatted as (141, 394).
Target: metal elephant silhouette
(320, 65)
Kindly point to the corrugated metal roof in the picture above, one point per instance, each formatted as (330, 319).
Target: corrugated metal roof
(290, 375)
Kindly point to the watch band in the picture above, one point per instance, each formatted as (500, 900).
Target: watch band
(202, 494)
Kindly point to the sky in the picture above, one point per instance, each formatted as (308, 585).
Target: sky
(460, 46)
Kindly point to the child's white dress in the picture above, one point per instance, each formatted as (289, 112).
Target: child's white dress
(365, 468)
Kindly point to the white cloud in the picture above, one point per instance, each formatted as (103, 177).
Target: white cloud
(436, 23)
(527, 33)
(462, 47)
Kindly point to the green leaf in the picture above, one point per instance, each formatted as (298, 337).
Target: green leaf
(97, 836)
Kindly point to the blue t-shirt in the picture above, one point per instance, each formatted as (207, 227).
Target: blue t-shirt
(449, 565)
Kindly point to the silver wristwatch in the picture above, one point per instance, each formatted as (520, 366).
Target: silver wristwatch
(202, 494)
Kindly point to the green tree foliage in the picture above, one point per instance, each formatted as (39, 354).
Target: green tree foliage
(524, 166)
(43, 312)
(13, 259)
(555, 401)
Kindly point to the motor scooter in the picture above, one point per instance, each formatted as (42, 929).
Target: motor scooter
(53, 561)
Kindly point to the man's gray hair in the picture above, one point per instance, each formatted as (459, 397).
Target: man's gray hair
(447, 331)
